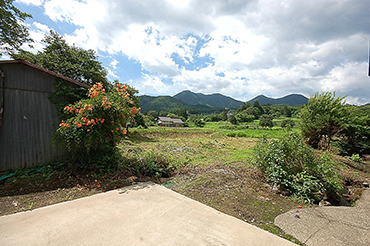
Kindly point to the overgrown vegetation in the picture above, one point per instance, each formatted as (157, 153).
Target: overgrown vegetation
(95, 126)
(326, 119)
(297, 169)
(202, 163)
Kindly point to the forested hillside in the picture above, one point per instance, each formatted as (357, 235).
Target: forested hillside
(292, 100)
(214, 100)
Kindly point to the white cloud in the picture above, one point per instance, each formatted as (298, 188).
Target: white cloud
(31, 2)
(238, 48)
(114, 64)
(153, 85)
(37, 33)
(112, 74)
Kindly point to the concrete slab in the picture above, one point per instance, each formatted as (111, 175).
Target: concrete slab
(330, 225)
(143, 214)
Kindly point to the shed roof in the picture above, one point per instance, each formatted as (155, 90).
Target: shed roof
(169, 119)
(177, 121)
(162, 118)
(20, 61)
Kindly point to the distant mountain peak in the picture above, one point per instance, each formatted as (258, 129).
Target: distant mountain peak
(215, 100)
(200, 103)
(291, 99)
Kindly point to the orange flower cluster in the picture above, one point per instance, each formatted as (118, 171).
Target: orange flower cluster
(69, 108)
(64, 124)
(105, 103)
(79, 109)
(88, 122)
(94, 91)
(122, 90)
(135, 110)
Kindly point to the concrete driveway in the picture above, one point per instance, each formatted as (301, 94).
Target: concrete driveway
(142, 214)
(330, 226)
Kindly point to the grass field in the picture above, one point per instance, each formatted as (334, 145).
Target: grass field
(212, 165)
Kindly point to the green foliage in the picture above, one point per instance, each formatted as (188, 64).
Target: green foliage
(13, 31)
(244, 117)
(71, 61)
(355, 137)
(94, 126)
(148, 164)
(356, 157)
(64, 95)
(223, 115)
(296, 168)
(253, 111)
(244, 107)
(196, 121)
(212, 118)
(266, 121)
(233, 119)
(322, 118)
(288, 124)
(181, 112)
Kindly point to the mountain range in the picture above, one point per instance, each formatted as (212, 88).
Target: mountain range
(215, 100)
(197, 103)
(292, 100)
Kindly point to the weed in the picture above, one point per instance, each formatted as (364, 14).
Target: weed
(356, 158)
(296, 168)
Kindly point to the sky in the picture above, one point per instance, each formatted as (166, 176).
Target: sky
(239, 48)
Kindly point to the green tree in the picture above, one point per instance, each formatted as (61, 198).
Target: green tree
(68, 60)
(244, 117)
(223, 115)
(355, 137)
(180, 113)
(287, 111)
(233, 119)
(266, 121)
(253, 111)
(153, 113)
(13, 31)
(322, 118)
(196, 121)
(256, 104)
(244, 107)
(287, 123)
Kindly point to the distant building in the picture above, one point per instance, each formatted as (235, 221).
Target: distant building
(28, 119)
(169, 122)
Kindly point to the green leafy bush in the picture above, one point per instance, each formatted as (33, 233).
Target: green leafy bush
(296, 168)
(266, 121)
(287, 123)
(356, 157)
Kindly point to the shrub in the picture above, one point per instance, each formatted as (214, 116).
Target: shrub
(266, 121)
(356, 157)
(96, 125)
(296, 168)
(287, 123)
(148, 163)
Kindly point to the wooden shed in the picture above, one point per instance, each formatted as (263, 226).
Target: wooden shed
(28, 119)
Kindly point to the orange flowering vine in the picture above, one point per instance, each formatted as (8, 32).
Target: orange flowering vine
(100, 121)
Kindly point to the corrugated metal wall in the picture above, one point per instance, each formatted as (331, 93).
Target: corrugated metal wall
(29, 118)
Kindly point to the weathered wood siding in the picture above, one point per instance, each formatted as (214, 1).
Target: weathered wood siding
(29, 118)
